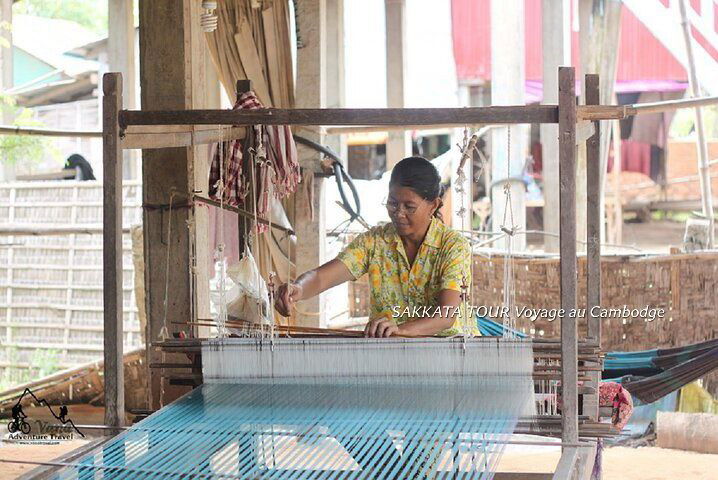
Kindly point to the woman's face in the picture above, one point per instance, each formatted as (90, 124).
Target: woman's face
(409, 213)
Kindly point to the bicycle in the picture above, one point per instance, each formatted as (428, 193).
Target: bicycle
(20, 425)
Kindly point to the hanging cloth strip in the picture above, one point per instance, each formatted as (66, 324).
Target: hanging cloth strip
(281, 166)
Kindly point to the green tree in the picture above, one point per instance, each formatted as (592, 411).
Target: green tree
(91, 14)
(21, 148)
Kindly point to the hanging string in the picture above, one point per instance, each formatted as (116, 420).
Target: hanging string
(509, 321)
(163, 331)
(466, 148)
(220, 255)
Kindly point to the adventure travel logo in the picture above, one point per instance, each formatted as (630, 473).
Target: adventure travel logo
(24, 430)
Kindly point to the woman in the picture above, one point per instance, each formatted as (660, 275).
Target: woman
(414, 261)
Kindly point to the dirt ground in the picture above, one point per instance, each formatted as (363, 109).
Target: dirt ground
(31, 453)
(626, 463)
(654, 236)
(620, 463)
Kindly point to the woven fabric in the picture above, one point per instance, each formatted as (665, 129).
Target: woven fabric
(276, 167)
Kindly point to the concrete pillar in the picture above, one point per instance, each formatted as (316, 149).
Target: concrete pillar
(556, 34)
(311, 93)
(172, 51)
(508, 88)
(398, 143)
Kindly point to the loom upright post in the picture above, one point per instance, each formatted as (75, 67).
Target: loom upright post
(112, 249)
(567, 247)
(593, 235)
(241, 87)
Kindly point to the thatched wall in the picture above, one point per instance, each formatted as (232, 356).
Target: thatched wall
(684, 285)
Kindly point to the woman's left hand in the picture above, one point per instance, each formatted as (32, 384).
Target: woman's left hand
(381, 328)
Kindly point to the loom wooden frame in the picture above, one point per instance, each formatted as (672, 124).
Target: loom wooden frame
(124, 129)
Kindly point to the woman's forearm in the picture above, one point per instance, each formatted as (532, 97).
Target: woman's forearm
(315, 281)
(310, 282)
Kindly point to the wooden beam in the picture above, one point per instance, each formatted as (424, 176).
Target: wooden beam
(567, 249)
(42, 132)
(189, 138)
(351, 116)
(112, 251)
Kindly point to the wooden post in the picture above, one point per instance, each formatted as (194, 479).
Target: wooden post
(398, 143)
(567, 250)
(703, 165)
(556, 45)
(242, 87)
(112, 249)
(593, 239)
(593, 214)
(617, 211)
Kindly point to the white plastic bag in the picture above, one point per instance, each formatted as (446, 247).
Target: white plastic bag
(249, 300)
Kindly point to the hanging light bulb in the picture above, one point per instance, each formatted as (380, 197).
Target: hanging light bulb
(208, 20)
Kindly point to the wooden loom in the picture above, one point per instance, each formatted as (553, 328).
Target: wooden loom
(125, 129)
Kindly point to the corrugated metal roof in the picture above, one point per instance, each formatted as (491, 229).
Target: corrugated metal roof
(641, 56)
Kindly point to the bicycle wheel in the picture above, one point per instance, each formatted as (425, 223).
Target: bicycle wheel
(12, 428)
(25, 427)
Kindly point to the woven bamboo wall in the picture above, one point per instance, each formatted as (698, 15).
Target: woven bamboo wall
(686, 286)
(51, 285)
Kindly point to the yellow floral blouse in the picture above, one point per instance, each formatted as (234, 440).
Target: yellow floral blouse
(442, 262)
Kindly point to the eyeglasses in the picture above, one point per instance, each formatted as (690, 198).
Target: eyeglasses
(393, 208)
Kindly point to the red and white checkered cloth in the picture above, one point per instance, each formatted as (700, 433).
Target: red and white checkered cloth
(281, 168)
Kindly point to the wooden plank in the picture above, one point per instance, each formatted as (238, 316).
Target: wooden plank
(251, 63)
(273, 62)
(146, 141)
(346, 116)
(567, 248)
(112, 250)
(601, 112)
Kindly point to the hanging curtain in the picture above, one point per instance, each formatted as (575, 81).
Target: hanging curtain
(252, 41)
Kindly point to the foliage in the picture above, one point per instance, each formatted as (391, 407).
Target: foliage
(3, 41)
(91, 14)
(21, 148)
(683, 124)
(44, 362)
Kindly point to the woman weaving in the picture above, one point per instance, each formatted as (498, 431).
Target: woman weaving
(413, 261)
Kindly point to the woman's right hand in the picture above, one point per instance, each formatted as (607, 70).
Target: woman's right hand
(286, 295)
